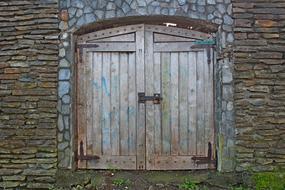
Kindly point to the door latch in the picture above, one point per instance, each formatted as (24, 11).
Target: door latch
(156, 98)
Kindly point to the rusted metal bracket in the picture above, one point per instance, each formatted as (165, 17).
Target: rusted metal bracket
(205, 44)
(80, 48)
(156, 98)
(82, 157)
(205, 160)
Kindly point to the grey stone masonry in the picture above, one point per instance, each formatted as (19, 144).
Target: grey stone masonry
(78, 13)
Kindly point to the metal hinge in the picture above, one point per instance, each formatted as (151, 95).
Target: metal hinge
(205, 44)
(205, 159)
(82, 157)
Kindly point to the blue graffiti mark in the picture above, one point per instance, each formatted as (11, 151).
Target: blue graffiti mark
(105, 87)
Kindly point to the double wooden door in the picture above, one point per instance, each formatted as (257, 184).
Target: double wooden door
(144, 99)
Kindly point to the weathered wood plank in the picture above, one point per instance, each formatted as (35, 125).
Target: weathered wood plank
(209, 98)
(97, 103)
(149, 80)
(81, 113)
(89, 103)
(170, 38)
(132, 109)
(157, 108)
(113, 46)
(113, 162)
(115, 103)
(106, 119)
(174, 104)
(109, 33)
(120, 38)
(200, 104)
(183, 102)
(174, 47)
(178, 163)
(177, 31)
(166, 131)
(192, 103)
(124, 91)
(141, 107)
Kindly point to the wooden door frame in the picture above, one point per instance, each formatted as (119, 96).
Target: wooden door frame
(75, 38)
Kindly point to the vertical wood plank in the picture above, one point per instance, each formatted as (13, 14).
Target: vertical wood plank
(132, 115)
(97, 102)
(149, 104)
(166, 131)
(106, 120)
(174, 107)
(200, 104)
(209, 107)
(89, 102)
(81, 114)
(141, 107)
(157, 108)
(115, 104)
(124, 125)
(192, 102)
(183, 102)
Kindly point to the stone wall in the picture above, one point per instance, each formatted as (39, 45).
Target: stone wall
(77, 13)
(28, 93)
(260, 84)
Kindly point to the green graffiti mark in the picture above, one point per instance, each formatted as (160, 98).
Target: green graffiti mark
(205, 42)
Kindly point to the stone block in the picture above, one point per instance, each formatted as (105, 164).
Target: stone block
(64, 74)
(90, 18)
(63, 88)
(266, 23)
(14, 178)
(66, 99)
(63, 145)
(9, 184)
(4, 171)
(227, 76)
(60, 123)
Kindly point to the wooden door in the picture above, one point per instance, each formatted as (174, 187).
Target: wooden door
(110, 72)
(115, 130)
(179, 131)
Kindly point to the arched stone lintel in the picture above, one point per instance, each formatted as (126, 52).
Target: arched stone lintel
(180, 21)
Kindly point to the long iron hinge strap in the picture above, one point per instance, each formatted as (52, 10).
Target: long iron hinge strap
(205, 159)
(81, 155)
